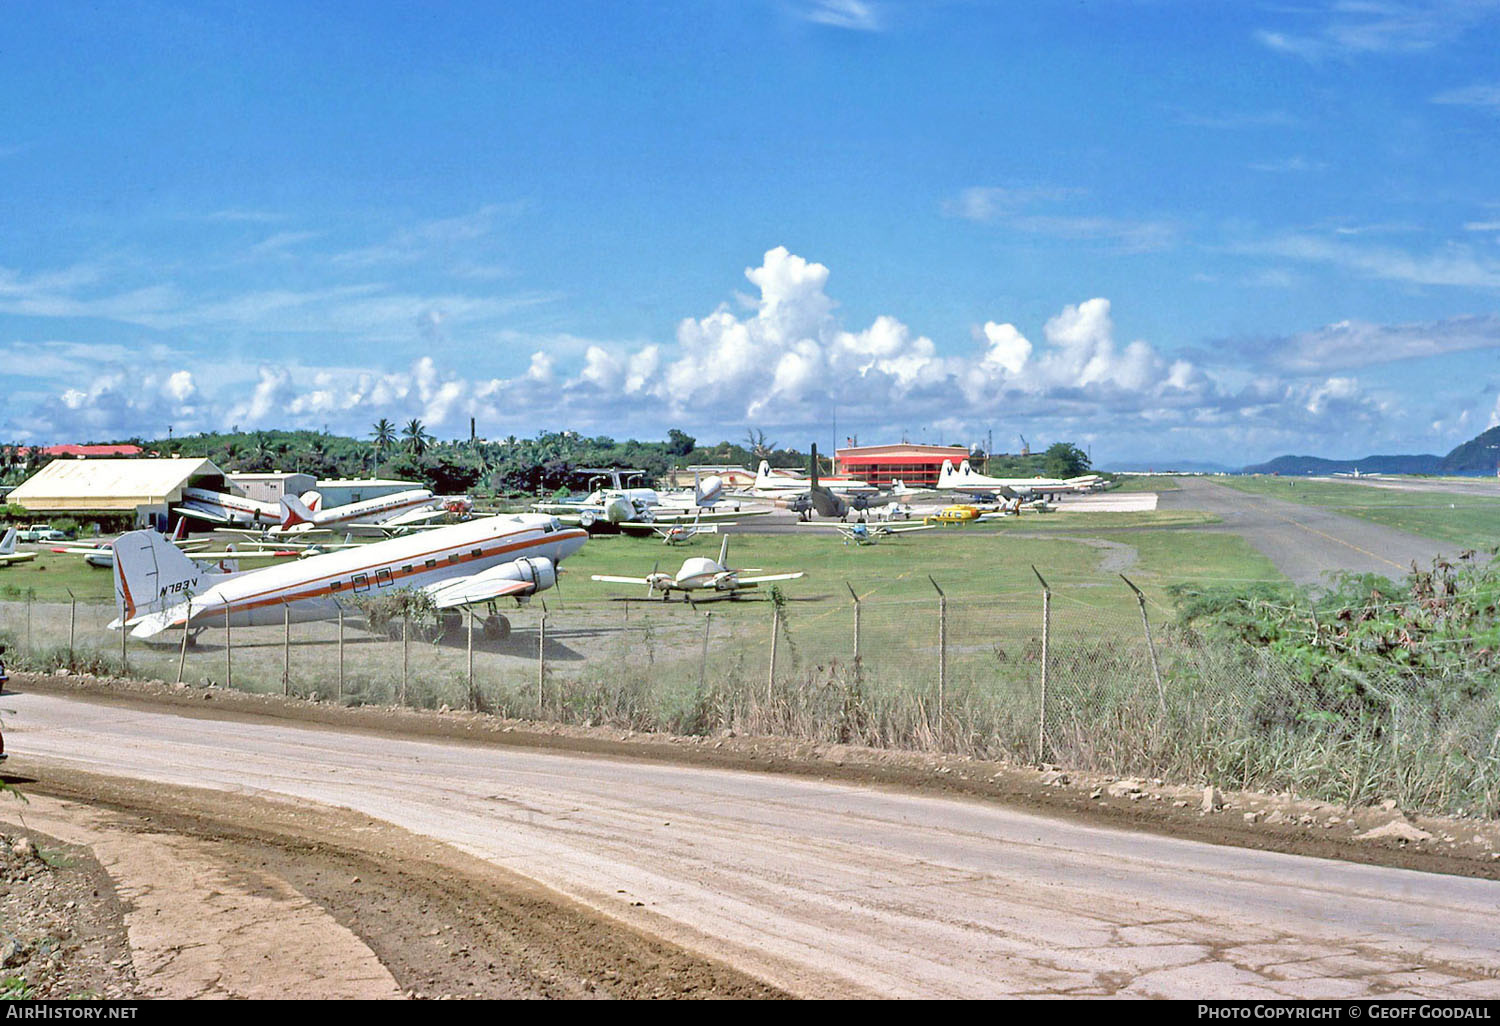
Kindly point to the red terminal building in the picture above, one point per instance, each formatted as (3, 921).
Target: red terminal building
(914, 465)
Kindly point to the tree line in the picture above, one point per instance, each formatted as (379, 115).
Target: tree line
(511, 466)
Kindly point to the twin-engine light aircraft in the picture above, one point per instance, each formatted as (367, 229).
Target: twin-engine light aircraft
(8, 553)
(700, 573)
(474, 563)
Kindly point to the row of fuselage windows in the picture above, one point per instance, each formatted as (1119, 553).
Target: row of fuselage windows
(385, 576)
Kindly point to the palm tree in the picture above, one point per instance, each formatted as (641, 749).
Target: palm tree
(416, 437)
(384, 433)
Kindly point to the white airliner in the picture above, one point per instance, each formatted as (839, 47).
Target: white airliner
(222, 508)
(966, 480)
(646, 506)
(700, 573)
(401, 509)
(473, 563)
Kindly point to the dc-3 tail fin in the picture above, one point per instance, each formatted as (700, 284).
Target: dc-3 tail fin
(313, 500)
(294, 511)
(152, 575)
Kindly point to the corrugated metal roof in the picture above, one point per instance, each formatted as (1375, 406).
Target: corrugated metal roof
(110, 483)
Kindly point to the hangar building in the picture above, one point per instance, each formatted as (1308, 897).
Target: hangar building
(341, 493)
(915, 465)
(270, 487)
(149, 487)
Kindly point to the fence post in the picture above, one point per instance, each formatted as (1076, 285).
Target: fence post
(1041, 730)
(855, 597)
(473, 703)
(29, 596)
(771, 673)
(341, 655)
(72, 623)
(286, 650)
(186, 633)
(708, 619)
(228, 651)
(541, 664)
(942, 656)
(1161, 694)
(405, 623)
(124, 656)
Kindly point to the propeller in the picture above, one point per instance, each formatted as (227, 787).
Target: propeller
(651, 580)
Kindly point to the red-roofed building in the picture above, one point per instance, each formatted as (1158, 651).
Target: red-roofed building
(86, 451)
(914, 465)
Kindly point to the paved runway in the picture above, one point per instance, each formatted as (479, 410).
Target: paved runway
(1306, 543)
(830, 889)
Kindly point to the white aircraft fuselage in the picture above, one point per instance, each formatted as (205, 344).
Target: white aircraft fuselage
(318, 587)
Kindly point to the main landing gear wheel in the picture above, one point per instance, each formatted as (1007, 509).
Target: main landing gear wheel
(496, 627)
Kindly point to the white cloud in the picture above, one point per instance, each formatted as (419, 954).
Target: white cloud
(180, 386)
(1482, 96)
(1020, 209)
(783, 357)
(850, 14)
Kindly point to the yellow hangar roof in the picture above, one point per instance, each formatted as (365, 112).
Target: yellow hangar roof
(106, 484)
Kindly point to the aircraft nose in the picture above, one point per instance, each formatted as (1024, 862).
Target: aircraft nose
(572, 545)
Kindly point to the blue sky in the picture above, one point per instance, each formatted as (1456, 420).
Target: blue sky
(1165, 230)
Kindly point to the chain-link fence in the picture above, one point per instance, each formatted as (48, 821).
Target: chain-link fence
(1089, 675)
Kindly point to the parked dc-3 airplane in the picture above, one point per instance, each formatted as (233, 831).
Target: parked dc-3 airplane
(379, 515)
(700, 573)
(468, 564)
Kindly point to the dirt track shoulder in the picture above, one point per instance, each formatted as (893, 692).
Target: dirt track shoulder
(442, 923)
(1281, 823)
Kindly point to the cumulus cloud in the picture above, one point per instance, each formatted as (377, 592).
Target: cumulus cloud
(782, 356)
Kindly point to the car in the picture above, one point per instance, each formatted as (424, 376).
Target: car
(40, 533)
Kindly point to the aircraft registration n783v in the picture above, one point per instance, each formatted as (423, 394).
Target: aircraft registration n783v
(474, 563)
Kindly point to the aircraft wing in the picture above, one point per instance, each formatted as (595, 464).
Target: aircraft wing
(770, 577)
(207, 513)
(618, 580)
(416, 516)
(16, 557)
(911, 527)
(465, 591)
(689, 516)
(642, 527)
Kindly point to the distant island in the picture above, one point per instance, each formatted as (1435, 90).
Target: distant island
(1476, 457)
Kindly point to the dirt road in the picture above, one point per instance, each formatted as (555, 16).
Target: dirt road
(828, 889)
